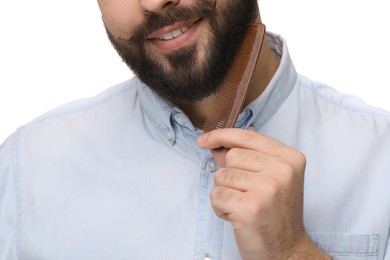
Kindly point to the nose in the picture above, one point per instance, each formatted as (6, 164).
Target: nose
(155, 6)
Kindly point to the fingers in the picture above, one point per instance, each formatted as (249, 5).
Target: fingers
(240, 158)
(219, 156)
(226, 201)
(241, 199)
(246, 159)
(239, 138)
(249, 150)
(235, 179)
(259, 188)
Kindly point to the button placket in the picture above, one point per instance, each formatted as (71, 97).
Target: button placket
(169, 134)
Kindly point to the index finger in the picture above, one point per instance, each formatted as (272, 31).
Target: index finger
(240, 138)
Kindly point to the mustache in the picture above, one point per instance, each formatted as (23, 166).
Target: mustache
(155, 21)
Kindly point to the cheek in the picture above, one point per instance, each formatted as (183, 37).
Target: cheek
(121, 16)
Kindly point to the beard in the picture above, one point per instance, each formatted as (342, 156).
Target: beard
(193, 72)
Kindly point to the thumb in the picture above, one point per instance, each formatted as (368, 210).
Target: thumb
(218, 153)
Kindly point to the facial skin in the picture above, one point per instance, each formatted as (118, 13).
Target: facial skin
(191, 66)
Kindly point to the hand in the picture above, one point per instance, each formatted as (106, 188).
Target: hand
(259, 189)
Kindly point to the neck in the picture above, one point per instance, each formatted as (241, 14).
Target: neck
(265, 69)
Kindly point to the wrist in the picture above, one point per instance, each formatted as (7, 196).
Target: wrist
(306, 249)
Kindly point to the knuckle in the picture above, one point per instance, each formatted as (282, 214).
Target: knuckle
(220, 195)
(256, 209)
(239, 156)
(285, 168)
(288, 174)
(296, 157)
(270, 194)
(220, 175)
(297, 162)
(301, 159)
(228, 176)
(237, 176)
(270, 190)
(258, 158)
(272, 187)
(214, 194)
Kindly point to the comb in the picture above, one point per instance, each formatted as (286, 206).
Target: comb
(231, 94)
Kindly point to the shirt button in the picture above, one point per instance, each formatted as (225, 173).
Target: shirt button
(251, 128)
(212, 165)
(169, 135)
(180, 119)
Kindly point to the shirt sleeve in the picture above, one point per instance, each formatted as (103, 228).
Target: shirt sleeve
(8, 202)
(387, 250)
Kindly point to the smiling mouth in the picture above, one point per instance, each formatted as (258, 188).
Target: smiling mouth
(173, 34)
(173, 31)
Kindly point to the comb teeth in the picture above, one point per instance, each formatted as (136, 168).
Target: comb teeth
(218, 118)
(231, 94)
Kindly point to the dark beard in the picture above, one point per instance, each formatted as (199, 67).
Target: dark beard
(189, 79)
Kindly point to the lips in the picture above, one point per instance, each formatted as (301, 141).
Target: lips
(174, 36)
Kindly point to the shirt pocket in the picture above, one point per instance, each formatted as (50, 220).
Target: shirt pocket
(348, 246)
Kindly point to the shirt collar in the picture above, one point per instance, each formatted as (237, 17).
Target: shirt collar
(278, 89)
(162, 113)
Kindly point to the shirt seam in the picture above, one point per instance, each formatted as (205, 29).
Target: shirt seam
(85, 104)
(269, 113)
(18, 192)
(376, 112)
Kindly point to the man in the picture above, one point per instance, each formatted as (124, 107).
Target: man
(129, 174)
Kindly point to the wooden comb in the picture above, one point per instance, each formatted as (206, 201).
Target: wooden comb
(231, 94)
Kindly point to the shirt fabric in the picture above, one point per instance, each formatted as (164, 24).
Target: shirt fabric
(118, 175)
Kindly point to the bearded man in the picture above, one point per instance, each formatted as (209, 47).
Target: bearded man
(130, 173)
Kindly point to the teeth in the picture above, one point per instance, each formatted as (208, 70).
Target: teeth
(184, 29)
(177, 33)
(173, 34)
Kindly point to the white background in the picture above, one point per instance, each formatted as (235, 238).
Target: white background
(52, 52)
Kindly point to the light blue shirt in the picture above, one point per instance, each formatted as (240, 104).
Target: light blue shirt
(118, 176)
